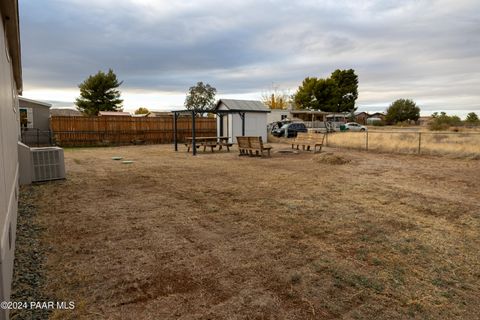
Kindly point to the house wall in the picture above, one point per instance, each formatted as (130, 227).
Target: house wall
(361, 118)
(41, 114)
(9, 136)
(276, 115)
(255, 125)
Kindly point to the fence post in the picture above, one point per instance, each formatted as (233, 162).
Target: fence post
(366, 140)
(419, 142)
(194, 143)
(175, 131)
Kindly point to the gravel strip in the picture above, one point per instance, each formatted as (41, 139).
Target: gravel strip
(30, 257)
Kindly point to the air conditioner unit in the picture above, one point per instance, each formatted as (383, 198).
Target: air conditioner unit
(47, 164)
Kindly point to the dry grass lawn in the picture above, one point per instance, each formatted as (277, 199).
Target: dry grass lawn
(452, 144)
(349, 235)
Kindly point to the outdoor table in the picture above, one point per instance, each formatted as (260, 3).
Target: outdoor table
(207, 142)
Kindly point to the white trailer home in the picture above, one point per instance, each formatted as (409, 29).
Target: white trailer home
(10, 87)
(231, 124)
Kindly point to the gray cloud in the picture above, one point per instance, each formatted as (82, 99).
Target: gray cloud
(427, 50)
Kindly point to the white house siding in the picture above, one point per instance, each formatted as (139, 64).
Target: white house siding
(276, 115)
(230, 128)
(255, 124)
(9, 136)
(39, 113)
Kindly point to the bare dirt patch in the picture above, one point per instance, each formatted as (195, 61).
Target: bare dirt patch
(217, 236)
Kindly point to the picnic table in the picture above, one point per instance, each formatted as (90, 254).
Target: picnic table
(210, 142)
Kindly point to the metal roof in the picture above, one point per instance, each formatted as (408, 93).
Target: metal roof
(40, 103)
(243, 105)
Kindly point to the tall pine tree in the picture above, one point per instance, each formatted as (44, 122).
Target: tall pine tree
(99, 93)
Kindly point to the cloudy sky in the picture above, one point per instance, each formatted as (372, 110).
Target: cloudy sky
(428, 51)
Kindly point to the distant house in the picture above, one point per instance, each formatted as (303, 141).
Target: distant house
(379, 115)
(11, 87)
(65, 112)
(277, 115)
(230, 124)
(34, 114)
(114, 113)
(361, 117)
(338, 117)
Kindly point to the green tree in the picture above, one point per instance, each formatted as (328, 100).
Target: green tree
(335, 94)
(402, 110)
(304, 98)
(326, 95)
(142, 110)
(472, 118)
(347, 89)
(200, 97)
(99, 93)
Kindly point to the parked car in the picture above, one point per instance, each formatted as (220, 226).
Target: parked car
(290, 130)
(353, 126)
(277, 125)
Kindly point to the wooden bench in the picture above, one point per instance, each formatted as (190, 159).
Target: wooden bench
(249, 145)
(309, 139)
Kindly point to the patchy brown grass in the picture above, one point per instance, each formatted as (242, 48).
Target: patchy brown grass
(218, 236)
(461, 144)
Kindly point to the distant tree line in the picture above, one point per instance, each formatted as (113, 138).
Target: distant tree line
(337, 93)
(442, 121)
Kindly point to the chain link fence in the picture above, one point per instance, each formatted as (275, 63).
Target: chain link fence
(462, 144)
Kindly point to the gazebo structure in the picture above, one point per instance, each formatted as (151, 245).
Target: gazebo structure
(224, 107)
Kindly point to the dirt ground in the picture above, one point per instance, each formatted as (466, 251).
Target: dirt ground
(344, 234)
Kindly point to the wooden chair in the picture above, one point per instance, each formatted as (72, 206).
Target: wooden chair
(243, 145)
(252, 146)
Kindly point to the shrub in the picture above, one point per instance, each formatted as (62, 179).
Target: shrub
(443, 122)
(405, 123)
(472, 119)
(378, 123)
(402, 110)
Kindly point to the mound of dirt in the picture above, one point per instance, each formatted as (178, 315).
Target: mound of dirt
(331, 158)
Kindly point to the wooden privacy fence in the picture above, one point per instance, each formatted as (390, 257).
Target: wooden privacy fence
(118, 130)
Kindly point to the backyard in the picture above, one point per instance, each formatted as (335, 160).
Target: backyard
(342, 234)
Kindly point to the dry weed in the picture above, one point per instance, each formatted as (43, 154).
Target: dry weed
(218, 236)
